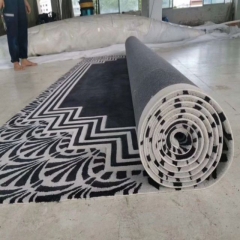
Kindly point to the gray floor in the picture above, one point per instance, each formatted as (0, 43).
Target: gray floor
(208, 214)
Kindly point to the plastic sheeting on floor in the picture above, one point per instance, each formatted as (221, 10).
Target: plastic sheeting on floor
(78, 34)
(86, 33)
(105, 35)
(111, 50)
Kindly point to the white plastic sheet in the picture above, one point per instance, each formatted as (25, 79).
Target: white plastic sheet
(116, 49)
(105, 35)
(85, 33)
(210, 27)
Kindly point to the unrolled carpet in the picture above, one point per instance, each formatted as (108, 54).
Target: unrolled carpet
(78, 139)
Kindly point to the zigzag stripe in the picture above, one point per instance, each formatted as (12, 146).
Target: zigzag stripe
(87, 131)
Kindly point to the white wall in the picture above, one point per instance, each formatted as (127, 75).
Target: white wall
(43, 9)
(152, 8)
(155, 9)
(217, 13)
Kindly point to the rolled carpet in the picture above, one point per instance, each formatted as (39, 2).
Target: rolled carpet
(183, 134)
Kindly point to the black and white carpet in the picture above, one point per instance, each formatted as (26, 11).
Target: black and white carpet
(76, 140)
(79, 139)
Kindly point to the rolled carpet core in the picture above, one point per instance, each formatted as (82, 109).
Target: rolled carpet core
(183, 134)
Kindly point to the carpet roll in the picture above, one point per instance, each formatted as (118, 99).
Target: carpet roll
(184, 138)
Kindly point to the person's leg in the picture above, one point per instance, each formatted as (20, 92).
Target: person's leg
(22, 29)
(11, 19)
(23, 34)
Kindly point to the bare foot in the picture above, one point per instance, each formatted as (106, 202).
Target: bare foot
(27, 63)
(18, 67)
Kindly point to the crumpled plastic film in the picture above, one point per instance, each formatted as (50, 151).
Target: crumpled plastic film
(85, 33)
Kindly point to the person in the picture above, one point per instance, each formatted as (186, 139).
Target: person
(15, 16)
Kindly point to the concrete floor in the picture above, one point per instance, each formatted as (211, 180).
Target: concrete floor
(208, 214)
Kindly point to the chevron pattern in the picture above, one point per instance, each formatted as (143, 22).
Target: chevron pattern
(52, 153)
(90, 131)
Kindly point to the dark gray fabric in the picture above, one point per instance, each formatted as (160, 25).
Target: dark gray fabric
(148, 74)
(183, 134)
(16, 21)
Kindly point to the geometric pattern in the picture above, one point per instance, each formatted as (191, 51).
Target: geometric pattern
(49, 152)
